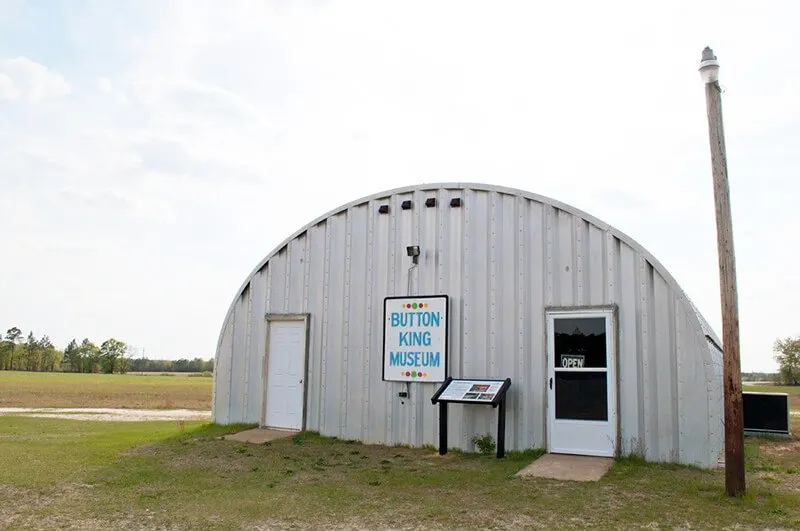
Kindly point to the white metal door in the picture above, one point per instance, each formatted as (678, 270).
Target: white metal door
(581, 383)
(286, 365)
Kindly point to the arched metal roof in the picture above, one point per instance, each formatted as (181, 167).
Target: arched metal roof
(709, 332)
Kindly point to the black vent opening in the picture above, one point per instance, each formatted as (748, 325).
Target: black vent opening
(405, 205)
(455, 202)
(383, 209)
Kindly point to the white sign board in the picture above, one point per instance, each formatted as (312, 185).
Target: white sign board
(471, 390)
(415, 338)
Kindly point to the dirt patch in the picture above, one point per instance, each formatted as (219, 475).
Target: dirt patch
(782, 448)
(108, 414)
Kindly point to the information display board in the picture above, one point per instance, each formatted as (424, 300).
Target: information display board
(473, 391)
(766, 413)
(415, 332)
(485, 391)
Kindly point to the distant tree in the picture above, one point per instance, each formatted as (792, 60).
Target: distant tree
(12, 336)
(5, 353)
(51, 356)
(787, 354)
(90, 356)
(31, 354)
(72, 357)
(111, 351)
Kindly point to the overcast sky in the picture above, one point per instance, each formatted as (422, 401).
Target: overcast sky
(152, 152)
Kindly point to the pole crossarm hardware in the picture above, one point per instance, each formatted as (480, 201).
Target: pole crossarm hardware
(731, 369)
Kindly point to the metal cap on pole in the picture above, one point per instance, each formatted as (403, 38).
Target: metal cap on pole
(731, 367)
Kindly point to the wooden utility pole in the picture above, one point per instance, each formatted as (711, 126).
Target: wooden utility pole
(731, 371)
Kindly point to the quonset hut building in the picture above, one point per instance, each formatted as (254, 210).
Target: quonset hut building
(606, 354)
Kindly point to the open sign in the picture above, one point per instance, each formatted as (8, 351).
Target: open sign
(572, 361)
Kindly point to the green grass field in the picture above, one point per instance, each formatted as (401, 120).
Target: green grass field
(59, 473)
(88, 475)
(42, 389)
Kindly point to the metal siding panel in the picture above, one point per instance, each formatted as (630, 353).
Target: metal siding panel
(630, 399)
(415, 399)
(664, 356)
(238, 360)
(649, 375)
(222, 373)
(495, 249)
(344, 374)
(581, 269)
(454, 282)
(394, 288)
(245, 356)
(255, 364)
(550, 250)
(371, 326)
(517, 409)
(597, 270)
(316, 310)
(334, 357)
(692, 408)
(508, 309)
(295, 276)
(357, 280)
(477, 329)
(277, 278)
(378, 390)
(539, 289)
(429, 230)
(406, 236)
(565, 265)
(467, 306)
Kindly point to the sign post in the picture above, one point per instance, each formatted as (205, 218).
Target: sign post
(486, 392)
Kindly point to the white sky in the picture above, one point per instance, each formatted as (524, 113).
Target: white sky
(152, 152)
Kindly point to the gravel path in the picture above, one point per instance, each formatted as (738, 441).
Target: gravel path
(107, 414)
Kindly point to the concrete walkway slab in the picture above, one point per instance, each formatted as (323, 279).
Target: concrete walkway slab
(259, 435)
(567, 467)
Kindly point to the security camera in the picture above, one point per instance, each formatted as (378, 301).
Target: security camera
(413, 252)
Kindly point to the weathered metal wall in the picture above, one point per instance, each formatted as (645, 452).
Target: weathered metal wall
(502, 257)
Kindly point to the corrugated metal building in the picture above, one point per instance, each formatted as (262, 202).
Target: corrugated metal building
(302, 344)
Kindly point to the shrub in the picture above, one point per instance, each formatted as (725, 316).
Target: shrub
(485, 443)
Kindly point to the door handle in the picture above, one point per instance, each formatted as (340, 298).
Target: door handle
(551, 383)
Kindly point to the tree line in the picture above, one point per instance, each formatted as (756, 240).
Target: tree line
(787, 354)
(21, 353)
(181, 365)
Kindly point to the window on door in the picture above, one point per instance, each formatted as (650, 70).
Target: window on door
(581, 367)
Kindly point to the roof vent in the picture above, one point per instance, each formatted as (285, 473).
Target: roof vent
(383, 209)
(455, 202)
(430, 202)
(406, 205)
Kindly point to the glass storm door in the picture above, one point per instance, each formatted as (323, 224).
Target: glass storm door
(581, 383)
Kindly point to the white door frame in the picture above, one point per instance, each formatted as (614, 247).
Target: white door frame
(610, 314)
(270, 317)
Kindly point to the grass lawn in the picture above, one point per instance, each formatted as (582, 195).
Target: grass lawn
(56, 473)
(43, 389)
